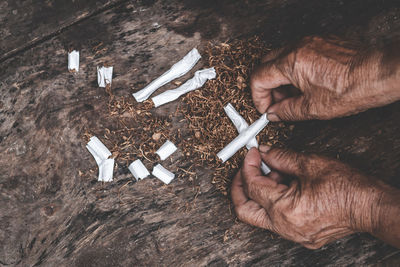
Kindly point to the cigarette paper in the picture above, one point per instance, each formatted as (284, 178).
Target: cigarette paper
(98, 150)
(101, 153)
(104, 76)
(199, 79)
(166, 150)
(106, 169)
(73, 61)
(138, 170)
(243, 138)
(177, 70)
(163, 174)
(242, 125)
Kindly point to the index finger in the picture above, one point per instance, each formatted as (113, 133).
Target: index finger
(265, 78)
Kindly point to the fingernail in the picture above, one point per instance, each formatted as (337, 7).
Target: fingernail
(272, 117)
(264, 148)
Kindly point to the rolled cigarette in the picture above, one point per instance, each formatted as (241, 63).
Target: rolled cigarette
(104, 76)
(241, 125)
(177, 70)
(106, 169)
(243, 138)
(163, 174)
(166, 150)
(101, 153)
(199, 79)
(73, 61)
(138, 170)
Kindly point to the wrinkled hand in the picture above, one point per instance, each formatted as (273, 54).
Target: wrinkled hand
(333, 78)
(307, 199)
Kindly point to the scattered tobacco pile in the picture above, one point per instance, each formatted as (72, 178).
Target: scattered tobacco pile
(204, 111)
(198, 126)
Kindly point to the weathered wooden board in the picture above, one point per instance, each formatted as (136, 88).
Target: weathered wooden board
(50, 215)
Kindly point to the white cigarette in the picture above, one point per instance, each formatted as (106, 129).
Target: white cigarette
(73, 61)
(199, 79)
(243, 138)
(106, 169)
(101, 153)
(138, 170)
(104, 76)
(177, 70)
(240, 123)
(166, 150)
(163, 174)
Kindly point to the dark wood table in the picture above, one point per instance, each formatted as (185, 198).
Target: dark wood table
(51, 215)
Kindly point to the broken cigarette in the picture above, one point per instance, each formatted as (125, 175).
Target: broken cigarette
(241, 125)
(243, 138)
(101, 153)
(166, 150)
(177, 70)
(199, 79)
(73, 61)
(138, 170)
(104, 76)
(163, 174)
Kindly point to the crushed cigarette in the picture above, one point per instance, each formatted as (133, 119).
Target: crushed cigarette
(104, 76)
(101, 153)
(166, 150)
(106, 169)
(163, 174)
(243, 138)
(73, 61)
(241, 125)
(199, 79)
(138, 170)
(177, 70)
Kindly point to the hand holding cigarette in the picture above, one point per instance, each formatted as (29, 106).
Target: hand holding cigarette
(328, 78)
(313, 200)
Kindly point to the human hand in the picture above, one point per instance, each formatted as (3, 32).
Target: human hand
(310, 199)
(334, 78)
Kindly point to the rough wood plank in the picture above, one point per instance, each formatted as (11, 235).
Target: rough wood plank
(52, 215)
(27, 23)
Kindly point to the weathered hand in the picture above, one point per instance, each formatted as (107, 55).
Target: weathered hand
(334, 78)
(308, 199)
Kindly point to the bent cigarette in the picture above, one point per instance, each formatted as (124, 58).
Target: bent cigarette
(101, 153)
(166, 150)
(73, 61)
(177, 70)
(243, 138)
(163, 174)
(241, 125)
(104, 76)
(199, 79)
(138, 170)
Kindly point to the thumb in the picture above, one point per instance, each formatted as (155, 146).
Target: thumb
(290, 109)
(259, 188)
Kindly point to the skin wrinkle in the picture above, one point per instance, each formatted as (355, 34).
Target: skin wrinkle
(325, 199)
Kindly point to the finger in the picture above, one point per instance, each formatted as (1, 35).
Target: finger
(275, 176)
(259, 188)
(285, 161)
(284, 92)
(273, 54)
(265, 78)
(290, 109)
(247, 210)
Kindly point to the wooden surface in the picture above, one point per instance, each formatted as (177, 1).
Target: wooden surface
(50, 215)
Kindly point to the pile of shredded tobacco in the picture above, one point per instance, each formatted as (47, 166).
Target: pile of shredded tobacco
(197, 124)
